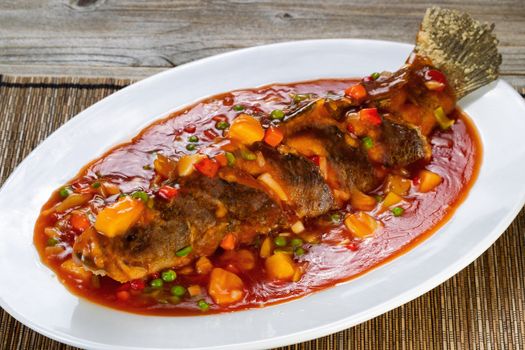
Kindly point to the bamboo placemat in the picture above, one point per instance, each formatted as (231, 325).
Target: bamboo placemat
(482, 307)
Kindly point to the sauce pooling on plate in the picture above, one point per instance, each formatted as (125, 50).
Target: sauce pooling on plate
(238, 142)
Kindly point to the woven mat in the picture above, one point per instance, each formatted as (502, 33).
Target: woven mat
(482, 307)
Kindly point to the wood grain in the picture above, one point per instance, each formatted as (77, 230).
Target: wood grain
(66, 37)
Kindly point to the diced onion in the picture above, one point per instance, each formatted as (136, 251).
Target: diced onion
(268, 180)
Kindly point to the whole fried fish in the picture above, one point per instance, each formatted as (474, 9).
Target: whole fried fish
(274, 188)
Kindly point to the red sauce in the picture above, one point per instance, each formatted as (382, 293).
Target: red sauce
(337, 258)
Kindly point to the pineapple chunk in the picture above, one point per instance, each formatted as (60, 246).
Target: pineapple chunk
(428, 180)
(117, 218)
(280, 266)
(225, 287)
(246, 129)
(361, 224)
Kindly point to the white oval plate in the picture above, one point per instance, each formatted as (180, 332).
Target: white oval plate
(30, 292)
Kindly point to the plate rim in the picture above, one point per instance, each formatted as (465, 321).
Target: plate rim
(305, 335)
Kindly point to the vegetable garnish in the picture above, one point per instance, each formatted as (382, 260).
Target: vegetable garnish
(156, 283)
(370, 116)
(248, 155)
(222, 125)
(207, 167)
(238, 108)
(178, 290)
(169, 276)
(277, 114)
(280, 241)
(398, 211)
(193, 138)
(191, 147)
(442, 119)
(357, 92)
(141, 195)
(368, 143)
(273, 136)
(203, 305)
(230, 157)
(184, 251)
(167, 192)
(65, 191)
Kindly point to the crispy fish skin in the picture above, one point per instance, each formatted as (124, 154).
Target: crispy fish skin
(190, 219)
(464, 49)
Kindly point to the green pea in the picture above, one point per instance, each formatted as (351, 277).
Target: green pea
(296, 242)
(299, 97)
(51, 242)
(193, 138)
(375, 75)
(245, 154)
(398, 211)
(169, 276)
(222, 125)
(238, 108)
(95, 184)
(146, 167)
(184, 251)
(378, 198)
(65, 192)
(178, 290)
(143, 196)
(277, 114)
(335, 217)
(174, 299)
(191, 147)
(204, 306)
(299, 251)
(368, 143)
(230, 158)
(156, 283)
(280, 241)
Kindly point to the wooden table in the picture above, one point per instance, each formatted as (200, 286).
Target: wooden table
(135, 39)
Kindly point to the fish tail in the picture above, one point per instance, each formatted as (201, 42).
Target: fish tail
(463, 48)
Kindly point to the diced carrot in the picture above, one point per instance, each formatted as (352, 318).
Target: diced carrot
(164, 166)
(280, 266)
(194, 290)
(428, 180)
(356, 92)
(361, 201)
(361, 224)
(203, 266)
(273, 136)
(225, 287)
(123, 295)
(246, 129)
(117, 218)
(167, 192)
(228, 242)
(221, 159)
(208, 167)
(79, 221)
(370, 116)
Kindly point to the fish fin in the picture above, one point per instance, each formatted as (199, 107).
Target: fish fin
(463, 48)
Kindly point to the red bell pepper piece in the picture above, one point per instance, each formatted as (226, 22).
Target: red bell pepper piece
(207, 167)
(168, 192)
(370, 116)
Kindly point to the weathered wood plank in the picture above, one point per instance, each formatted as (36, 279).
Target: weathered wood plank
(162, 33)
